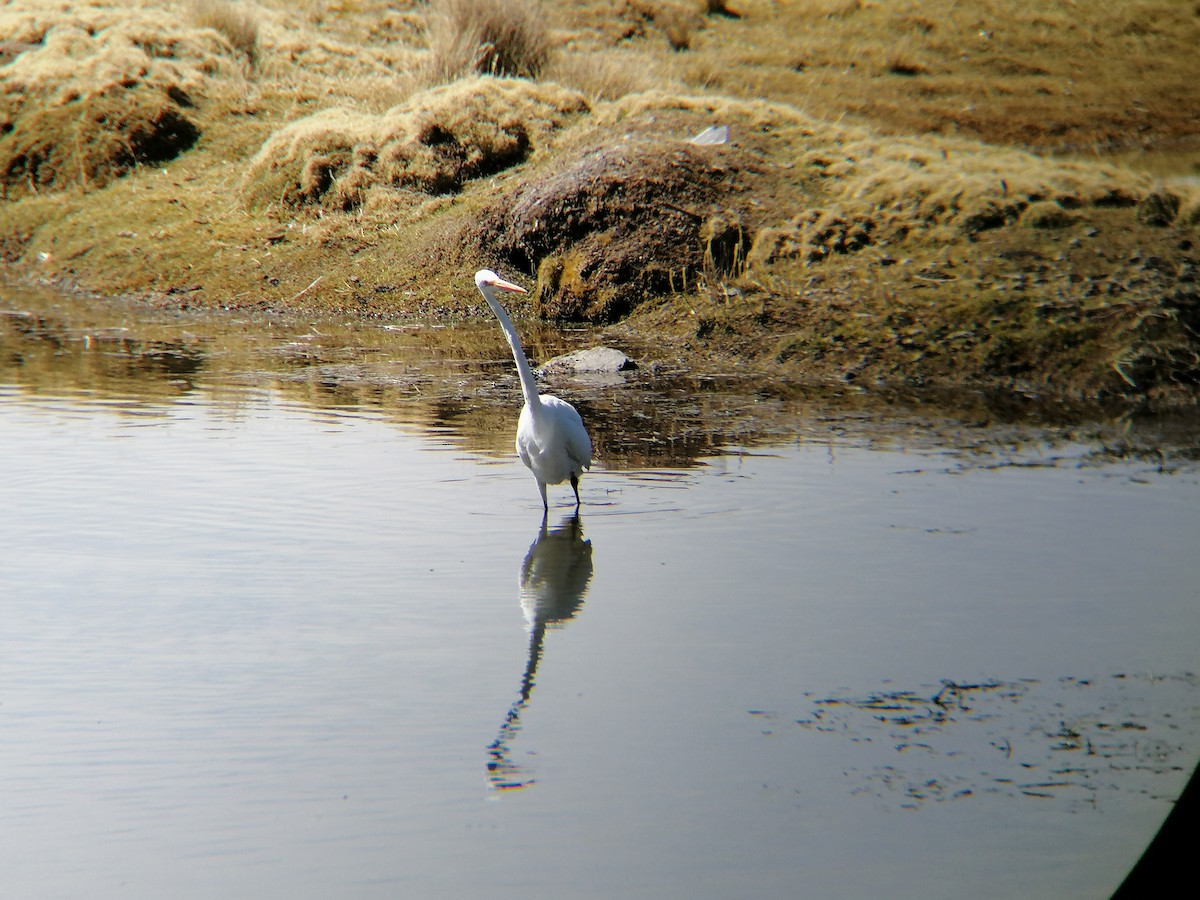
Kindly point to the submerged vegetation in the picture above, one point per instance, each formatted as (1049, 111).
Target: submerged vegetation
(838, 191)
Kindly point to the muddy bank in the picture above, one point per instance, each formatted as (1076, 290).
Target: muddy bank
(457, 384)
(280, 158)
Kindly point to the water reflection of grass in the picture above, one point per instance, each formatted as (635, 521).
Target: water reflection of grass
(458, 383)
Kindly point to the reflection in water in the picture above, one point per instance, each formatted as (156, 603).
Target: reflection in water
(456, 384)
(39, 354)
(554, 580)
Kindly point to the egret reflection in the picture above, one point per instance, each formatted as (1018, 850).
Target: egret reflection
(554, 579)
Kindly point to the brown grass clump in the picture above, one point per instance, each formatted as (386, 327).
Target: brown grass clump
(108, 135)
(95, 92)
(601, 74)
(433, 144)
(487, 37)
(232, 20)
(679, 24)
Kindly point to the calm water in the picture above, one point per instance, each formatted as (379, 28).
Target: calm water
(258, 642)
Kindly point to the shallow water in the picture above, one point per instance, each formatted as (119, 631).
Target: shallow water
(285, 621)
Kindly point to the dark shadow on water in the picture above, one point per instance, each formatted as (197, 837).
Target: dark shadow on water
(555, 576)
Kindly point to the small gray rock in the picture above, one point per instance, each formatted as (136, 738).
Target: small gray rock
(592, 361)
(717, 134)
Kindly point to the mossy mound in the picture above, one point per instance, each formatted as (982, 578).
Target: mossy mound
(433, 144)
(613, 224)
(114, 131)
(632, 208)
(91, 91)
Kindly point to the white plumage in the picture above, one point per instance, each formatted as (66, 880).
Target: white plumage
(551, 438)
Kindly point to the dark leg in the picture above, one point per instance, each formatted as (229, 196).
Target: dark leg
(575, 488)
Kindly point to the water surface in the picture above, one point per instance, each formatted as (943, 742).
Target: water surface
(280, 616)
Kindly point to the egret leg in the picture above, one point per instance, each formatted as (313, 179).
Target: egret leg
(575, 488)
(542, 490)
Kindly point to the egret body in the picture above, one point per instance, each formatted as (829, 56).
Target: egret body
(551, 439)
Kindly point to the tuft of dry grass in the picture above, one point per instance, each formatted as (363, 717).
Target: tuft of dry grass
(601, 74)
(678, 25)
(488, 37)
(96, 92)
(234, 21)
(678, 22)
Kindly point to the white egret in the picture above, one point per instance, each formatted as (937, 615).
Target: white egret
(551, 439)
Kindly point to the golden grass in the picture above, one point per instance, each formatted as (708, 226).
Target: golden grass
(601, 74)
(1071, 78)
(95, 93)
(432, 144)
(234, 21)
(898, 165)
(489, 37)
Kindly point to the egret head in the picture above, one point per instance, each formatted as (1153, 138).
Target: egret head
(488, 278)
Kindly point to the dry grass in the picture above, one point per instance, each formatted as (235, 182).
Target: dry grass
(915, 191)
(602, 74)
(1068, 77)
(234, 21)
(433, 144)
(95, 93)
(488, 37)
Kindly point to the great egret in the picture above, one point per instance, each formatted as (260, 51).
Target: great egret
(551, 439)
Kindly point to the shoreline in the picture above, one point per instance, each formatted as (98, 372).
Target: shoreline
(849, 253)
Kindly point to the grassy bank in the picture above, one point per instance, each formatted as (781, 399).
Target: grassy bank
(917, 194)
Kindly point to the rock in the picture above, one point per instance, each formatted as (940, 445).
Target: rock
(717, 134)
(592, 361)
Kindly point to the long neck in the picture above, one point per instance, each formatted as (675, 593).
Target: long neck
(528, 385)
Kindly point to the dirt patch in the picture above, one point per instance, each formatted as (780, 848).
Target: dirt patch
(433, 144)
